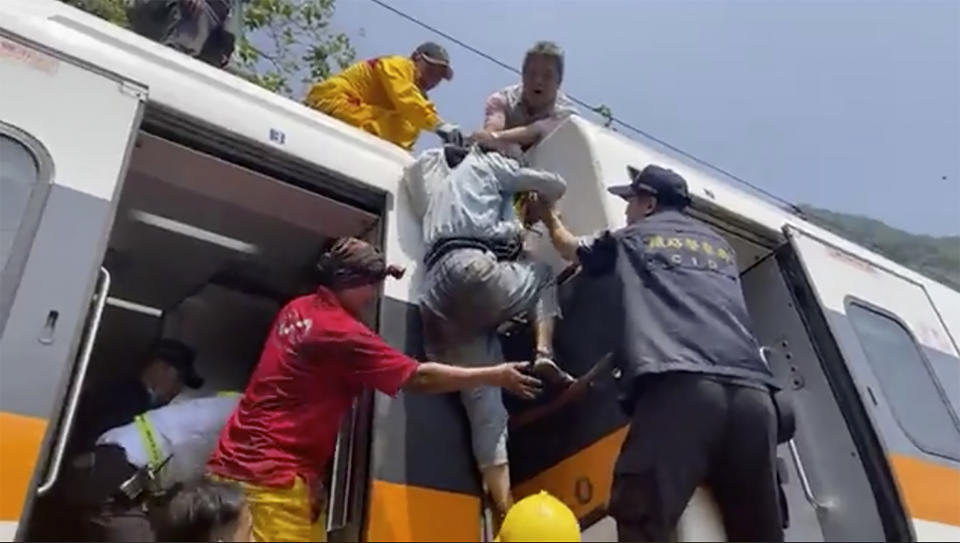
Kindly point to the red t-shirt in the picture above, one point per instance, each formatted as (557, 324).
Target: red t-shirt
(316, 360)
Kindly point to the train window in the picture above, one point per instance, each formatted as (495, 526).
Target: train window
(907, 381)
(24, 178)
(18, 175)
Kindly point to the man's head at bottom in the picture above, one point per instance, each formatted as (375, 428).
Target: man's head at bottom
(354, 271)
(167, 369)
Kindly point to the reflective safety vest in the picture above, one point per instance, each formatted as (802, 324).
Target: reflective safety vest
(151, 442)
(185, 431)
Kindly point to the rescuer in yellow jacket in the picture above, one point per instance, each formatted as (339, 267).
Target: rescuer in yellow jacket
(386, 96)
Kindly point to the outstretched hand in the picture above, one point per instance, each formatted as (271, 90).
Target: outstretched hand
(482, 137)
(450, 134)
(511, 377)
(540, 209)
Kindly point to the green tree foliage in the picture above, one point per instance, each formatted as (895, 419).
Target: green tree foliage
(285, 43)
(288, 43)
(935, 257)
(111, 10)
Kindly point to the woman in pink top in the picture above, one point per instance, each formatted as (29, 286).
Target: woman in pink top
(518, 116)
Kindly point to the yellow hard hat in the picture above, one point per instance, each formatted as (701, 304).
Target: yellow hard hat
(539, 517)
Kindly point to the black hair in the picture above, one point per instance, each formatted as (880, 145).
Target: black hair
(549, 50)
(671, 202)
(348, 262)
(198, 509)
(173, 351)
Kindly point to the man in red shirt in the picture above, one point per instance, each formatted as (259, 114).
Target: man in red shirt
(318, 357)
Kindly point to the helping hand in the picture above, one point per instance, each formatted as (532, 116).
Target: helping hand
(450, 134)
(541, 209)
(511, 378)
(483, 137)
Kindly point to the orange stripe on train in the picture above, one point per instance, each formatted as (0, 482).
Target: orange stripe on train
(20, 439)
(582, 480)
(931, 491)
(401, 512)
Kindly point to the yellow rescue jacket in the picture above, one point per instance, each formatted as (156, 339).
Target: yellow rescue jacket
(380, 96)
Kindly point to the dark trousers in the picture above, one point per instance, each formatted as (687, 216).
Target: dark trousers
(689, 430)
(199, 33)
(91, 485)
(112, 523)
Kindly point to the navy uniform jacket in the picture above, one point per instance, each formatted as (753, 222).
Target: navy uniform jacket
(683, 307)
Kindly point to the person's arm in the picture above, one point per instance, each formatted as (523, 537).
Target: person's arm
(495, 112)
(495, 132)
(398, 76)
(563, 241)
(597, 255)
(521, 135)
(437, 378)
(514, 178)
(370, 362)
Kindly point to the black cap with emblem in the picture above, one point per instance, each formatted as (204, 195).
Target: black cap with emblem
(668, 186)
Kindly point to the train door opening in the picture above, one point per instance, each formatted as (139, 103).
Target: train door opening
(893, 334)
(568, 446)
(206, 252)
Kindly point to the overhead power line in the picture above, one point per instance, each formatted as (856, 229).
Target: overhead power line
(586, 105)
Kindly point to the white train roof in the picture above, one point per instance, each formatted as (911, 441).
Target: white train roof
(235, 105)
(599, 158)
(194, 89)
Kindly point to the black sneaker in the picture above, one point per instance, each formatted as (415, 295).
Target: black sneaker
(547, 369)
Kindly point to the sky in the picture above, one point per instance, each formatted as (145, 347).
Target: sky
(851, 105)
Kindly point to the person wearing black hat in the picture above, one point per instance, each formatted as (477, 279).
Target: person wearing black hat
(387, 96)
(168, 368)
(94, 471)
(694, 384)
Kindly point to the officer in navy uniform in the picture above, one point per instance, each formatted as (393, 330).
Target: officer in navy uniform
(694, 384)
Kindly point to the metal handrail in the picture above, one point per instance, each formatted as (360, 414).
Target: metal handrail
(73, 399)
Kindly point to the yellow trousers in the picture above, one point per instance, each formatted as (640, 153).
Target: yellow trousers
(383, 123)
(283, 514)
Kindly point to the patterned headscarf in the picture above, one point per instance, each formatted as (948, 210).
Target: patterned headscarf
(350, 262)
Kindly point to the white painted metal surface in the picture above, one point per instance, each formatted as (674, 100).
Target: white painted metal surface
(592, 158)
(838, 276)
(8, 529)
(594, 154)
(86, 116)
(927, 530)
(42, 95)
(204, 92)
